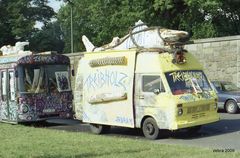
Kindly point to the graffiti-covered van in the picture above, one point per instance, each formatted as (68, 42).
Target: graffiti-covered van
(141, 84)
(35, 87)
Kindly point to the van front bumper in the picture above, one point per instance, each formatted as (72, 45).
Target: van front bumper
(196, 120)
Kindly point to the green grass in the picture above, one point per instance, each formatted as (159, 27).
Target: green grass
(22, 141)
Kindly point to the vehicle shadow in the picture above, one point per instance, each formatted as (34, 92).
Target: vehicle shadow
(39, 124)
(224, 126)
(51, 123)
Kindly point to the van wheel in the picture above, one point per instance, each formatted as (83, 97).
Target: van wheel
(99, 129)
(150, 129)
(231, 107)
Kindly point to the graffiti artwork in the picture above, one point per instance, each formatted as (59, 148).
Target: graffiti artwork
(63, 82)
(188, 98)
(185, 75)
(185, 82)
(37, 106)
(9, 112)
(35, 87)
(44, 59)
(122, 120)
(106, 78)
(104, 88)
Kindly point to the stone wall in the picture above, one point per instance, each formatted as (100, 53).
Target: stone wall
(220, 57)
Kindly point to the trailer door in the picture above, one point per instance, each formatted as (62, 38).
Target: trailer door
(8, 105)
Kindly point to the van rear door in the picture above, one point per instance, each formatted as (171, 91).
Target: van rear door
(108, 87)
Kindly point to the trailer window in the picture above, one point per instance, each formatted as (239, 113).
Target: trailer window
(4, 85)
(31, 79)
(150, 83)
(63, 82)
(43, 78)
(12, 86)
(58, 78)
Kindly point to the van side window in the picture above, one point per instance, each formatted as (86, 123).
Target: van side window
(4, 85)
(150, 83)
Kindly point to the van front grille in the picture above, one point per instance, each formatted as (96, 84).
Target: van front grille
(196, 109)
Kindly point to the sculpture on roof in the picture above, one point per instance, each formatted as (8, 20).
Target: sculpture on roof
(142, 36)
(17, 49)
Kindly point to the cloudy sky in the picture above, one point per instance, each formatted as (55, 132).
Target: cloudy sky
(55, 4)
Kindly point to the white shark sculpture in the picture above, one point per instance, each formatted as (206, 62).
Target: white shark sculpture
(18, 48)
(141, 36)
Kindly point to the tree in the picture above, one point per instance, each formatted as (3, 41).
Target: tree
(49, 38)
(103, 19)
(100, 20)
(18, 17)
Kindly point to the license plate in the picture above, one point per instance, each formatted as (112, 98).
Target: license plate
(48, 110)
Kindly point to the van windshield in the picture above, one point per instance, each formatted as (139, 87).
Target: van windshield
(43, 78)
(190, 81)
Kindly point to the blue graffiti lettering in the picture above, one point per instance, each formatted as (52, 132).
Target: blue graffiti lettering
(124, 120)
(187, 98)
(107, 78)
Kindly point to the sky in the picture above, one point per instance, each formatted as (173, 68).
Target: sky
(55, 5)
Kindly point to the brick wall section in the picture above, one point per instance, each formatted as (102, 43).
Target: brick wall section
(220, 57)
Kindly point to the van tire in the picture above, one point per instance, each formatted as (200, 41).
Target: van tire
(150, 128)
(99, 129)
(231, 107)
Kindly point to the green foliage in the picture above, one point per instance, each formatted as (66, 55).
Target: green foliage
(49, 38)
(18, 17)
(100, 20)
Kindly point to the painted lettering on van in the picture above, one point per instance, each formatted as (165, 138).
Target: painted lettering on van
(184, 76)
(106, 78)
(187, 98)
(124, 120)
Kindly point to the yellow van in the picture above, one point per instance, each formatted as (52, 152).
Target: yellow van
(148, 89)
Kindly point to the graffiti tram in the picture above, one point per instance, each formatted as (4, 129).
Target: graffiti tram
(34, 87)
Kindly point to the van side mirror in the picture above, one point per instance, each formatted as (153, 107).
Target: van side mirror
(156, 91)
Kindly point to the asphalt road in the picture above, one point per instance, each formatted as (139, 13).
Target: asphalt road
(224, 134)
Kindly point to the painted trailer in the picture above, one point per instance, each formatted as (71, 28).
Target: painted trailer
(144, 80)
(35, 87)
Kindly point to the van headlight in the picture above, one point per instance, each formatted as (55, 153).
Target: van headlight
(180, 111)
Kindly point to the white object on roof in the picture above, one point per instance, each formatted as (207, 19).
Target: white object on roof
(141, 36)
(18, 48)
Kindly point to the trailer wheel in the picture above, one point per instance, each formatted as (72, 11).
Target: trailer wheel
(99, 129)
(150, 128)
